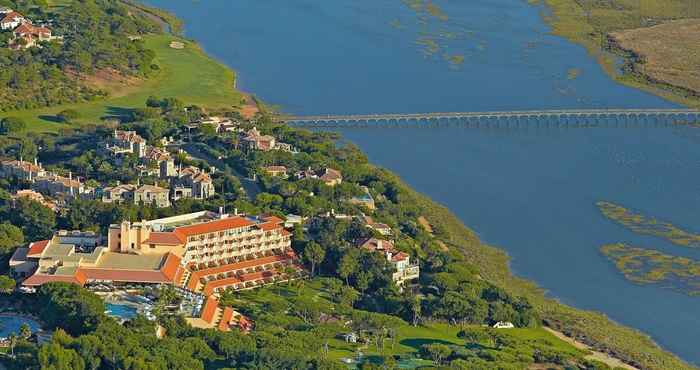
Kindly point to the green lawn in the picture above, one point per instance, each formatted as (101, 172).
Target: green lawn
(188, 74)
(410, 338)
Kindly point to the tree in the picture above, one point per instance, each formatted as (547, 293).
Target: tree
(437, 352)
(315, 254)
(37, 221)
(348, 265)
(68, 115)
(7, 284)
(207, 130)
(12, 124)
(25, 331)
(348, 296)
(362, 281)
(53, 356)
(11, 237)
(307, 309)
(12, 338)
(415, 302)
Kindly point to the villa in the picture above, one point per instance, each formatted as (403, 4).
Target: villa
(59, 186)
(30, 35)
(191, 182)
(118, 194)
(255, 141)
(151, 194)
(11, 19)
(401, 261)
(42, 181)
(276, 171)
(127, 142)
(22, 170)
(379, 227)
(329, 176)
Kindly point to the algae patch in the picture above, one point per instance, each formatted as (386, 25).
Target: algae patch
(646, 225)
(651, 267)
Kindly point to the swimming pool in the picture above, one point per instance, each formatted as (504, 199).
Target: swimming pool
(10, 323)
(120, 311)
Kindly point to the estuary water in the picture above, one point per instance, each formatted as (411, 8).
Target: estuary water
(530, 191)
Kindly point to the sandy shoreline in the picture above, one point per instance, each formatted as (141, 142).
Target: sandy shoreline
(596, 355)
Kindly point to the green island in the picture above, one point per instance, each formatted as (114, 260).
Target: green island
(465, 311)
(646, 225)
(655, 39)
(648, 266)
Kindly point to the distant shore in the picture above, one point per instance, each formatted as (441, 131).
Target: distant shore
(568, 20)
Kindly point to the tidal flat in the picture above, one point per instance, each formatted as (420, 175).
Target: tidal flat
(647, 225)
(651, 267)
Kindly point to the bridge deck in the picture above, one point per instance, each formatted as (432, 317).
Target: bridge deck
(319, 120)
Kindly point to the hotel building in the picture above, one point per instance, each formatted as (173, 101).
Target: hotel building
(204, 252)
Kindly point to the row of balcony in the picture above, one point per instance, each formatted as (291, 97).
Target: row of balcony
(227, 254)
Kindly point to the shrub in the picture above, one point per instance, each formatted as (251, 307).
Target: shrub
(68, 115)
(12, 124)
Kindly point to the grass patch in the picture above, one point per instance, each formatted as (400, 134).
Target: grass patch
(187, 74)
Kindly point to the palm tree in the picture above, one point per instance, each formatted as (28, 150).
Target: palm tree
(25, 331)
(13, 343)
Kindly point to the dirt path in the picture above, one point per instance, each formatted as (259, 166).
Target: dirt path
(598, 356)
(426, 225)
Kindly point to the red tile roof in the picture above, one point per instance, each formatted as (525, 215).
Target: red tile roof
(171, 267)
(37, 248)
(269, 226)
(399, 256)
(165, 238)
(273, 219)
(226, 319)
(35, 280)
(209, 309)
(126, 276)
(10, 17)
(214, 226)
(209, 288)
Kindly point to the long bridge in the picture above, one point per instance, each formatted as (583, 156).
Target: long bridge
(568, 117)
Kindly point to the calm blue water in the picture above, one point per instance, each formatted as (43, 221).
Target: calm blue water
(10, 324)
(120, 311)
(531, 192)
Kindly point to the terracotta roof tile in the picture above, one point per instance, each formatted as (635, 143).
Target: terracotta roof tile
(226, 319)
(165, 238)
(39, 279)
(214, 226)
(171, 266)
(37, 248)
(209, 309)
(130, 276)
